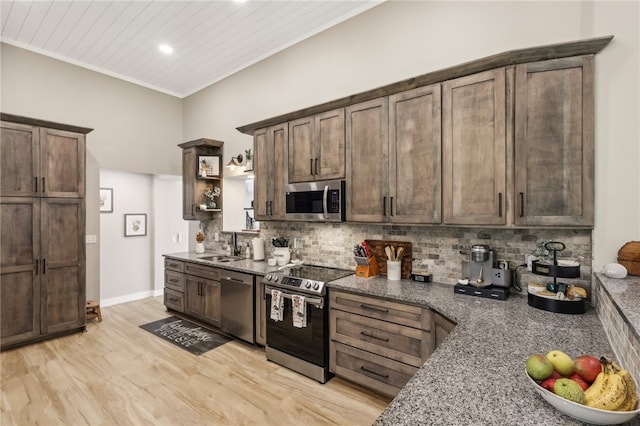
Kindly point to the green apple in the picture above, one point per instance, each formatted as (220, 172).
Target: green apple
(562, 362)
(539, 367)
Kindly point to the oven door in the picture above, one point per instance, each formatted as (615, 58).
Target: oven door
(309, 343)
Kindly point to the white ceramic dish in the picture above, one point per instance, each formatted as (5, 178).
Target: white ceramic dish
(582, 412)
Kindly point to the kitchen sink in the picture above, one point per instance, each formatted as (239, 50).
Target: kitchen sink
(221, 258)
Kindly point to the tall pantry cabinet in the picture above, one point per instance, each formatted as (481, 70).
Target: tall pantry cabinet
(42, 209)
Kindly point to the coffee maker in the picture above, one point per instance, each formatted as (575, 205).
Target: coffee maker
(482, 278)
(480, 265)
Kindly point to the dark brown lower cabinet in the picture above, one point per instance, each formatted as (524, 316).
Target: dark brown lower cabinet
(192, 289)
(380, 343)
(42, 283)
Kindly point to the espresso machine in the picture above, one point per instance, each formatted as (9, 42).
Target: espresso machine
(480, 266)
(482, 277)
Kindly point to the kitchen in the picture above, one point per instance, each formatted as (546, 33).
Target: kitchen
(209, 112)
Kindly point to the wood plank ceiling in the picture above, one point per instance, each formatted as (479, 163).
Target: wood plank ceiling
(211, 39)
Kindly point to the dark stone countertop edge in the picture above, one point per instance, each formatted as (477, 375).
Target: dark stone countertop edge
(625, 294)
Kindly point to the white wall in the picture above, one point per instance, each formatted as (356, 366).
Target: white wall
(617, 130)
(133, 267)
(135, 129)
(399, 40)
(170, 230)
(126, 272)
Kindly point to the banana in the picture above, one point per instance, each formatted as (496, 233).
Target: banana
(631, 398)
(598, 386)
(612, 396)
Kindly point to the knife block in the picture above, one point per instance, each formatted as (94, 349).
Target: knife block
(367, 267)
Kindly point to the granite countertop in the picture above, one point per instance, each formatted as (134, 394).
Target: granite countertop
(245, 265)
(477, 375)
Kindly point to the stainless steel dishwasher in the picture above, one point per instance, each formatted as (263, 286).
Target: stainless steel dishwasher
(237, 305)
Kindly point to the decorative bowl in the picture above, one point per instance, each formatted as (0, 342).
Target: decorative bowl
(582, 412)
(614, 270)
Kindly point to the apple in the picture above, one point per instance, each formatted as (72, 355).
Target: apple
(588, 367)
(576, 378)
(549, 383)
(562, 362)
(539, 367)
(556, 375)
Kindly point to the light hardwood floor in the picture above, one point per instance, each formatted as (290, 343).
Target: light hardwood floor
(118, 374)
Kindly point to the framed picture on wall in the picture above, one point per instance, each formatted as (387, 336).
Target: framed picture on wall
(135, 224)
(209, 165)
(106, 200)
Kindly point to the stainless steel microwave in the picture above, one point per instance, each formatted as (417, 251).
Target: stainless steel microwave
(322, 201)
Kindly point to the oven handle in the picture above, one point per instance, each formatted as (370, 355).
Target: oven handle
(318, 303)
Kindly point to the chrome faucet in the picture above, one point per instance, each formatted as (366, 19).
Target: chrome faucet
(234, 244)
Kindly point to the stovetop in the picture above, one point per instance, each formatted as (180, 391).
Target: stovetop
(305, 278)
(316, 273)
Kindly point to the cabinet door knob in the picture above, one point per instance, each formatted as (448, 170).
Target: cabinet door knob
(384, 206)
(316, 165)
(311, 166)
(522, 204)
(500, 204)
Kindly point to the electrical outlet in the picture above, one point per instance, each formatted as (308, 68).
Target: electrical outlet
(179, 237)
(215, 236)
(91, 239)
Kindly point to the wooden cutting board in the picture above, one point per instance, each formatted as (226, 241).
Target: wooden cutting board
(377, 249)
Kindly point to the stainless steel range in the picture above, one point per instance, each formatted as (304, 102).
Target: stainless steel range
(302, 346)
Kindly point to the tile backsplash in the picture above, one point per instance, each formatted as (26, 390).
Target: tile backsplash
(435, 249)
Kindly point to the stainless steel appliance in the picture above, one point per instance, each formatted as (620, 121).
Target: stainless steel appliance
(305, 349)
(481, 276)
(316, 201)
(480, 265)
(237, 308)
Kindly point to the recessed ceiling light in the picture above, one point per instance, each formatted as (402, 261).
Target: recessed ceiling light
(166, 49)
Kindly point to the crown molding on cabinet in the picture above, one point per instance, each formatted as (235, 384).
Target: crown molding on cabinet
(511, 57)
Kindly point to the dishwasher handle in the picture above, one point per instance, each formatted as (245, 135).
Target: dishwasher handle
(235, 280)
(236, 277)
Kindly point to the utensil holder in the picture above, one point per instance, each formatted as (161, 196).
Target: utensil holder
(393, 270)
(367, 267)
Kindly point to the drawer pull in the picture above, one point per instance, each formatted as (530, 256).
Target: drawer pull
(173, 264)
(364, 333)
(373, 308)
(384, 376)
(174, 280)
(173, 299)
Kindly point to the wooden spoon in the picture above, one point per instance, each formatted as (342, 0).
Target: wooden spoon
(399, 253)
(387, 250)
(393, 253)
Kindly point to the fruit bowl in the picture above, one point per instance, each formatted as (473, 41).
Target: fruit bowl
(582, 412)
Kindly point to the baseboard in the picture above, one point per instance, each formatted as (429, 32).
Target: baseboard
(130, 297)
